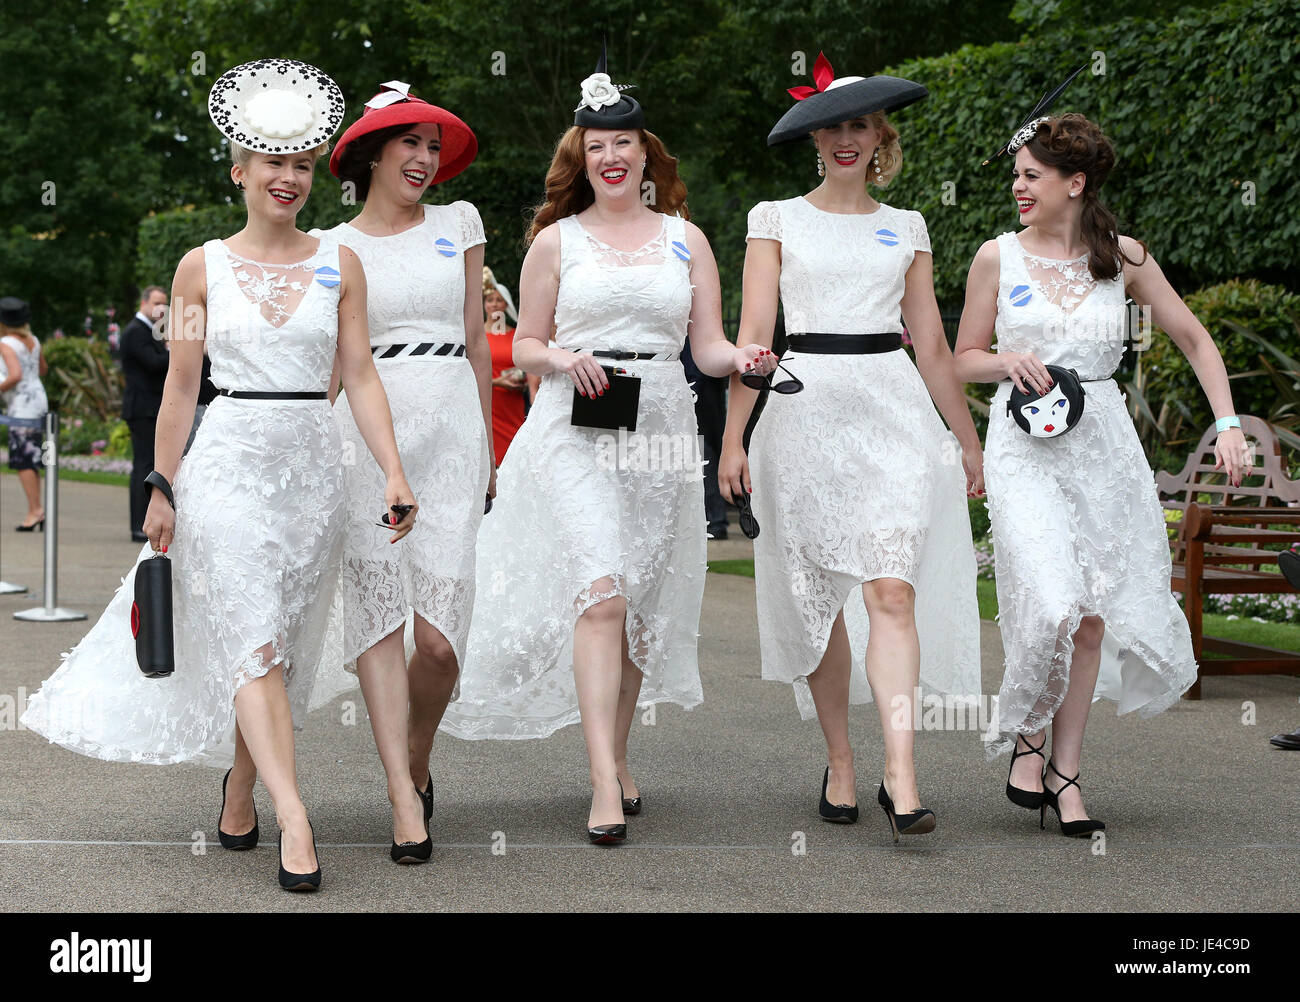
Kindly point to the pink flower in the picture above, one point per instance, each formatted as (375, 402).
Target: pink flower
(99, 445)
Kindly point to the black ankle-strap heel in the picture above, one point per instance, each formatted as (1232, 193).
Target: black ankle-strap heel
(1029, 799)
(1070, 829)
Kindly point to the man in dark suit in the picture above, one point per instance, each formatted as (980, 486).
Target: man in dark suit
(144, 364)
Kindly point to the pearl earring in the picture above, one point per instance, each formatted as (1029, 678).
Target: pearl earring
(374, 164)
(821, 165)
(875, 160)
(1074, 194)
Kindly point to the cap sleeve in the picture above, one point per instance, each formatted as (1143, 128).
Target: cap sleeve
(765, 222)
(917, 230)
(471, 226)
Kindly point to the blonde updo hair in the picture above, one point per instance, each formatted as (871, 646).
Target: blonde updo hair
(889, 154)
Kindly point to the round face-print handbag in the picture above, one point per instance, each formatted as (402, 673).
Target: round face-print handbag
(1054, 412)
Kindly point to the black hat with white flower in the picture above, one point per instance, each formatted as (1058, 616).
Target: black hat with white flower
(604, 106)
(276, 106)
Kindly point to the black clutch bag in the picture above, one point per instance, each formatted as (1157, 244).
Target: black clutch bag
(151, 617)
(616, 408)
(1055, 412)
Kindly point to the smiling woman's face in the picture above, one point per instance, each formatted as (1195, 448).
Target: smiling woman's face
(613, 158)
(408, 162)
(846, 148)
(276, 184)
(1042, 193)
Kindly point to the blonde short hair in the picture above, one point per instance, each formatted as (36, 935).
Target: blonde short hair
(240, 156)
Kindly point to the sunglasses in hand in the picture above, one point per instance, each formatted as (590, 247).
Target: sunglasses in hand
(748, 523)
(400, 510)
(757, 382)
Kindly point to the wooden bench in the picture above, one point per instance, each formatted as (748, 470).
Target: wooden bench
(1218, 547)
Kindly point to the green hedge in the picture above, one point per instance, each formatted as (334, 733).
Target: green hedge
(1195, 107)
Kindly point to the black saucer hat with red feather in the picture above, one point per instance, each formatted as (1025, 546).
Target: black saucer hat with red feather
(833, 101)
(604, 105)
(276, 106)
(396, 105)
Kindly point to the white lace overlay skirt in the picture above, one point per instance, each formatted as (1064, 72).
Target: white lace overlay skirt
(259, 506)
(572, 509)
(438, 422)
(1078, 530)
(856, 478)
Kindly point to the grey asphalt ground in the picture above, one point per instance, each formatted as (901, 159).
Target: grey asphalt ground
(1201, 810)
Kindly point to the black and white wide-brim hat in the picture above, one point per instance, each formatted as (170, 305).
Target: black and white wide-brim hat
(276, 106)
(833, 101)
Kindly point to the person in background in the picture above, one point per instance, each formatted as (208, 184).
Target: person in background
(23, 396)
(510, 387)
(1288, 562)
(145, 359)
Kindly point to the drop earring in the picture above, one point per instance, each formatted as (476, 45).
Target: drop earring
(821, 165)
(374, 164)
(875, 161)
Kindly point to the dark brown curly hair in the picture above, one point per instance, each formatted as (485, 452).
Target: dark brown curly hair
(568, 191)
(1074, 145)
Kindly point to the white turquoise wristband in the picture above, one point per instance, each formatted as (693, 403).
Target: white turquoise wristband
(1224, 423)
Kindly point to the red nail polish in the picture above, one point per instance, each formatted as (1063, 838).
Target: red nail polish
(164, 549)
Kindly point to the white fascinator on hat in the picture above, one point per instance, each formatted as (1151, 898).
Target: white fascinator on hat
(276, 106)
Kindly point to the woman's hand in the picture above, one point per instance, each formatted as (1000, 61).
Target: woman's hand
(492, 483)
(733, 472)
(159, 522)
(506, 382)
(1025, 368)
(1231, 453)
(397, 491)
(754, 358)
(972, 461)
(583, 369)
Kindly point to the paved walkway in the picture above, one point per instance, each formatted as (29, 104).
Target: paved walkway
(1200, 808)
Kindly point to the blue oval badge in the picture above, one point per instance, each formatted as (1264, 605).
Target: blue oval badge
(887, 237)
(327, 277)
(681, 250)
(445, 247)
(1020, 295)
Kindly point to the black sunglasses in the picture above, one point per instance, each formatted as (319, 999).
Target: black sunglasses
(756, 382)
(401, 510)
(748, 523)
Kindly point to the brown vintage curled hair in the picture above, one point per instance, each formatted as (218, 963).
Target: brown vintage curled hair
(1074, 145)
(568, 191)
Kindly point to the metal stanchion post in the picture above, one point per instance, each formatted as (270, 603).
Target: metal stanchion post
(50, 612)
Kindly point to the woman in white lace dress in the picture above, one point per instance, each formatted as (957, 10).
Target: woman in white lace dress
(857, 487)
(1079, 536)
(423, 266)
(592, 570)
(22, 364)
(256, 534)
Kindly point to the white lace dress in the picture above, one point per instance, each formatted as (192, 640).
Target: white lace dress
(856, 477)
(415, 294)
(259, 506)
(571, 511)
(1077, 525)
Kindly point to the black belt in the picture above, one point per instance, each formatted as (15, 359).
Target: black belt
(649, 355)
(265, 395)
(844, 344)
(412, 350)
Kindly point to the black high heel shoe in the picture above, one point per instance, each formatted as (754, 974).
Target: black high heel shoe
(912, 823)
(1070, 829)
(426, 798)
(246, 841)
(839, 814)
(631, 805)
(609, 834)
(31, 528)
(299, 881)
(416, 852)
(1028, 799)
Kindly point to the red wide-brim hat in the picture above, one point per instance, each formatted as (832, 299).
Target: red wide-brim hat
(395, 105)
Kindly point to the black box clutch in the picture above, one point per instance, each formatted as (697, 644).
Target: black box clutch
(151, 617)
(615, 409)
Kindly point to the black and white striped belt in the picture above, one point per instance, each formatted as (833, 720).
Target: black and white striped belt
(274, 395)
(620, 355)
(429, 348)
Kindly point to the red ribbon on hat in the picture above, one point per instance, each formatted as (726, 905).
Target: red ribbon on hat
(823, 75)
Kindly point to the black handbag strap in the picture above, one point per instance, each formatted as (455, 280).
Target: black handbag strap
(156, 479)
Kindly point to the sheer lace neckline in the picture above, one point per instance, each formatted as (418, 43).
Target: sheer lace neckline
(424, 218)
(276, 289)
(1055, 260)
(827, 212)
(651, 249)
(288, 265)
